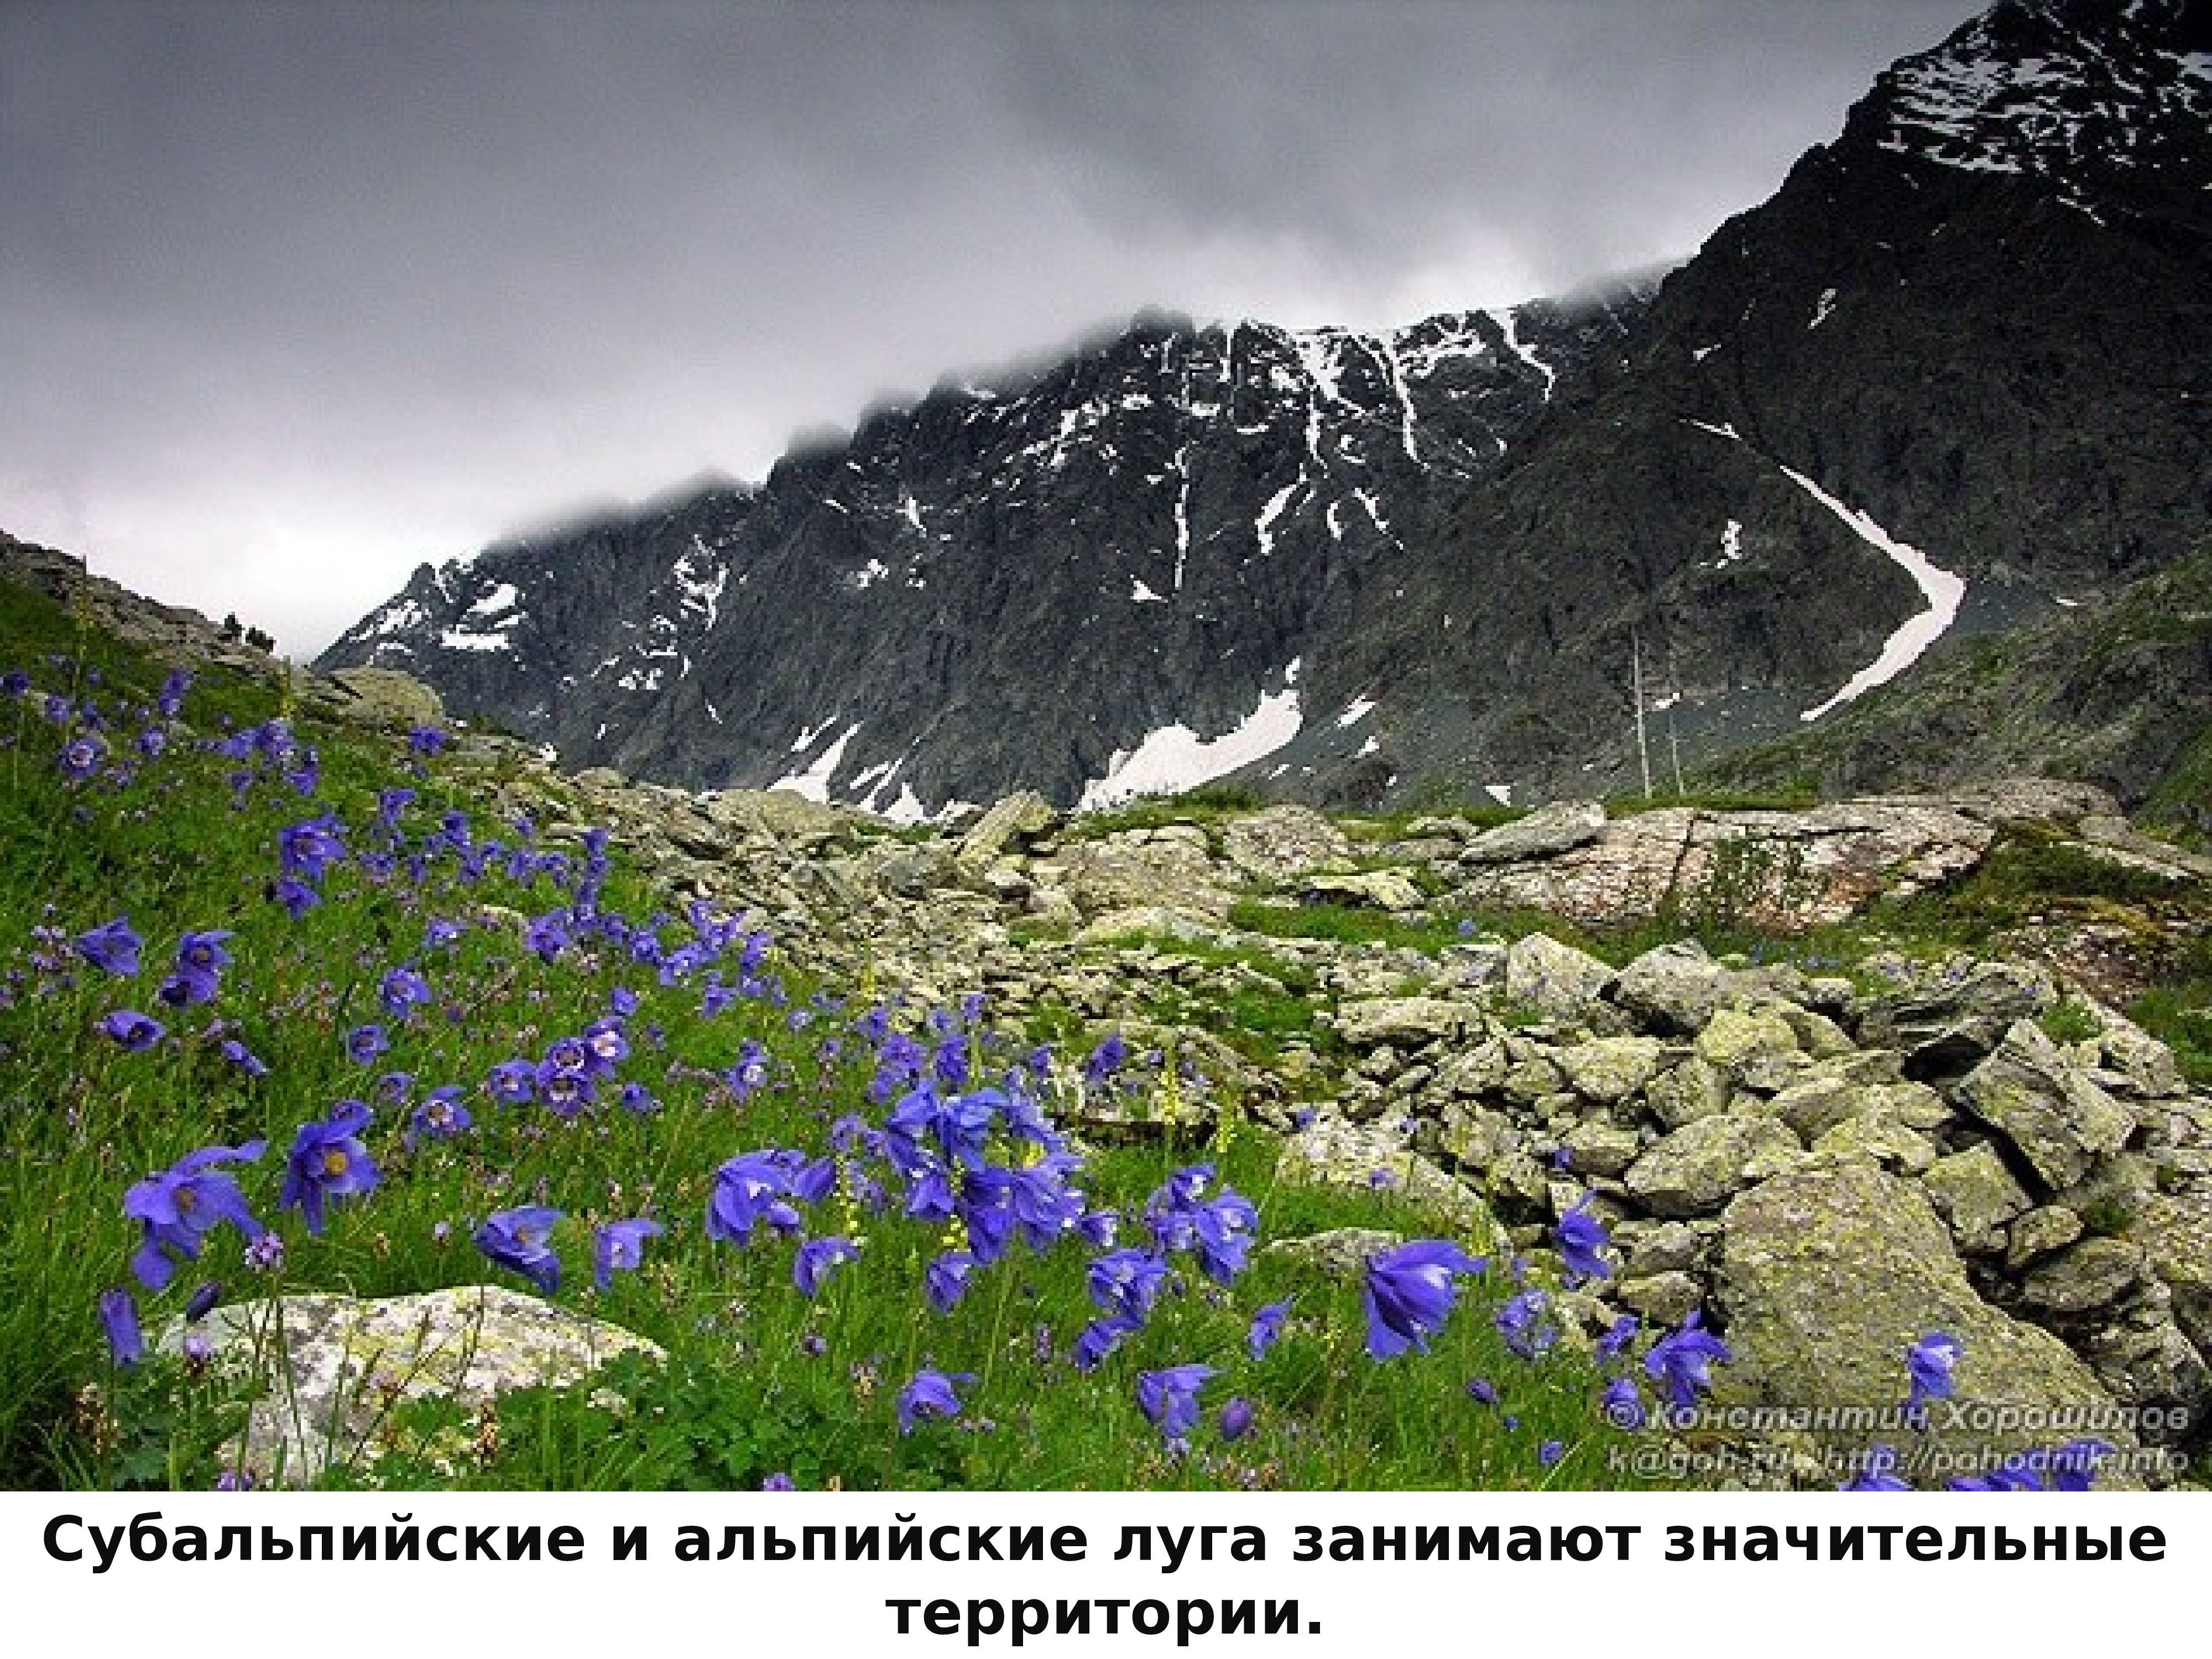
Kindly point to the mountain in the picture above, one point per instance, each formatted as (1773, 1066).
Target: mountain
(1951, 379)
(1006, 585)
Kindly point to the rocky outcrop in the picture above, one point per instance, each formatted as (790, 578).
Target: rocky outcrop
(328, 1371)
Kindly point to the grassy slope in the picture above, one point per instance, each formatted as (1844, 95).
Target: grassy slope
(761, 1379)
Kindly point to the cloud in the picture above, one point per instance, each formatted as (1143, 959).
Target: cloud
(304, 294)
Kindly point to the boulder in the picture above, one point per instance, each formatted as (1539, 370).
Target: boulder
(1331, 1152)
(1830, 1274)
(1544, 833)
(1130, 870)
(1555, 979)
(1698, 1167)
(2176, 1235)
(2044, 1105)
(1013, 822)
(1340, 1253)
(1673, 989)
(1946, 1022)
(1975, 1192)
(1379, 889)
(1283, 842)
(333, 1367)
(1609, 1070)
(381, 697)
(1404, 1021)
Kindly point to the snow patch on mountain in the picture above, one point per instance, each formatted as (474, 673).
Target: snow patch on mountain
(814, 782)
(1943, 589)
(1175, 757)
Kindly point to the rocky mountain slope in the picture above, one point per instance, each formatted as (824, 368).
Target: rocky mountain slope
(1007, 584)
(1952, 379)
(1954, 376)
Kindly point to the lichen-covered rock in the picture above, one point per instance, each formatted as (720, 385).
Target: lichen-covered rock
(1144, 867)
(1380, 889)
(1830, 1274)
(333, 1367)
(2093, 1274)
(381, 697)
(1975, 1192)
(1702, 1164)
(1881, 1140)
(1283, 842)
(2176, 1235)
(1950, 1018)
(1557, 979)
(1736, 1037)
(1675, 989)
(1609, 1070)
(2043, 1103)
(1665, 1299)
(1331, 1152)
(1597, 1148)
(2046, 1228)
(1546, 832)
(1815, 1105)
(1684, 1093)
(1340, 1253)
(1018, 818)
(1403, 1021)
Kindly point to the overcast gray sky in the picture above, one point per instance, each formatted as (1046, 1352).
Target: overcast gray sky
(295, 296)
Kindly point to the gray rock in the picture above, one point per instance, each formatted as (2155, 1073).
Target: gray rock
(1879, 1139)
(1663, 1247)
(1815, 1105)
(2093, 1274)
(1147, 922)
(2042, 1103)
(2146, 1063)
(1610, 1069)
(1666, 1298)
(1830, 1274)
(1132, 870)
(1675, 989)
(1380, 889)
(1543, 833)
(1010, 823)
(1596, 1148)
(1340, 1253)
(383, 698)
(1955, 1016)
(1698, 1167)
(2176, 1235)
(1694, 1089)
(1404, 1021)
(2041, 1230)
(1557, 979)
(1331, 1152)
(1283, 842)
(333, 1367)
(1734, 1037)
(1975, 1192)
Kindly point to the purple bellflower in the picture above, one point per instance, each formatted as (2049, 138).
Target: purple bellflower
(517, 1238)
(328, 1160)
(1409, 1293)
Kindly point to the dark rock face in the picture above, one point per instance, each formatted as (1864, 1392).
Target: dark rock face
(1957, 369)
(1978, 318)
(1000, 586)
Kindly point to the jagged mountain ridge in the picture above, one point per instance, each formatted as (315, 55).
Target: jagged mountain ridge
(1002, 585)
(1953, 376)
